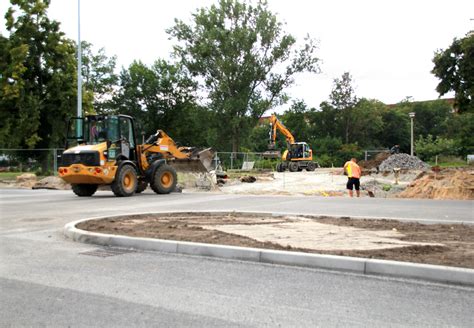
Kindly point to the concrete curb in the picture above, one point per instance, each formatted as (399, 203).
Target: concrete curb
(435, 273)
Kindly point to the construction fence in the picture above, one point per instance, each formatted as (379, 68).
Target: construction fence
(38, 161)
(244, 161)
(45, 161)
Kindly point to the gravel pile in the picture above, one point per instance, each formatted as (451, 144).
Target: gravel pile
(404, 162)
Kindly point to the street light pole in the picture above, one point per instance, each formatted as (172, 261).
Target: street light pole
(412, 116)
(79, 70)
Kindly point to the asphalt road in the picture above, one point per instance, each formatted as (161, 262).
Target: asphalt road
(46, 280)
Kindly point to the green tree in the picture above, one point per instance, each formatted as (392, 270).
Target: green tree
(367, 123)
(396, 129)
(162, 97)
(38, 79)
(296, 120)
(258, 139)
(455, 68)
(99, 78)
(428, 147)
(460, 127)
(244, 59)
(343, 99)
(323, 122)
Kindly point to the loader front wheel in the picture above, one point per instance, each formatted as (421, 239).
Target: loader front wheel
(164, 179)
(125, 183)
(84, 190)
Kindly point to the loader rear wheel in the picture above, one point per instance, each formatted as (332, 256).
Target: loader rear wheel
(293, 166)
(311, 166)
(164, 179)
(84, 190)
(125, 183)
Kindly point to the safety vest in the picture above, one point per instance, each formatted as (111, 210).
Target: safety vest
(352, 169)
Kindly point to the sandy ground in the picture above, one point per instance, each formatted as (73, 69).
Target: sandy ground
(451, 245)
(322, 182)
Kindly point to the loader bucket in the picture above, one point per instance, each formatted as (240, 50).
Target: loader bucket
(199, 161)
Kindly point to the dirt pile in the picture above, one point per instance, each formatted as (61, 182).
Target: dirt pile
(26, 180)
(403, 162)
(53, 183)
(376, 161)
(446, 184)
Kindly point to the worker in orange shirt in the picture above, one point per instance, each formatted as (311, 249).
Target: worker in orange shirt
(353, 174)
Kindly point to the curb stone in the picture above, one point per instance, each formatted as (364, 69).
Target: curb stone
(428, 272)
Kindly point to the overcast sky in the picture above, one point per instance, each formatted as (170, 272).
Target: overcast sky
(387, 46)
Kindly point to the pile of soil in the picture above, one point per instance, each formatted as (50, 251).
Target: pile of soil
(438, 244)
(375, 162)
(26, 180)
(53, 183)
(445, 184)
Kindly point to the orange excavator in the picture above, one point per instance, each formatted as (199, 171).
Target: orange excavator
(298, 156)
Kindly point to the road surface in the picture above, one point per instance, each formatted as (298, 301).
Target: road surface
(48, 280)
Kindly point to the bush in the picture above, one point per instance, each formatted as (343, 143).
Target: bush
(427, 148)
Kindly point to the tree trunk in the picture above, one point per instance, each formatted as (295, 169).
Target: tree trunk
(235, 143)
(347, 131)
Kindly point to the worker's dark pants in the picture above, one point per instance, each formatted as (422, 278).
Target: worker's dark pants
(353, 182)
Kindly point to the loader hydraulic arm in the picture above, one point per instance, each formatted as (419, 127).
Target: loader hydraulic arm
(277, 125)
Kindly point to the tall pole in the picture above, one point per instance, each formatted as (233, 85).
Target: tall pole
(411, 148)
(79, 70)
(412, 116)
(79, 61)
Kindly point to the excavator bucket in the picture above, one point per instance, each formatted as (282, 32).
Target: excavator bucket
(199, 161)
(272, 154)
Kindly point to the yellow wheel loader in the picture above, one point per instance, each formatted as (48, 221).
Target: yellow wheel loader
(103, 150)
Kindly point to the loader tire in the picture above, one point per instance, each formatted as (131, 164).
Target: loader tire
(125, 183)
(84, 190)
(293, 166)
(141, 186)
(164, 180)
(311, 166)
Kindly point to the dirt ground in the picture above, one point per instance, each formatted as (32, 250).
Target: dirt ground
(451, 245)
(328, 182)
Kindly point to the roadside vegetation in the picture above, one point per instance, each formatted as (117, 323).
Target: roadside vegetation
(233, 63)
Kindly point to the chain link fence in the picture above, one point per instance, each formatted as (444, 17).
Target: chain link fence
(45, 161)
(244, 161)
(38, 161)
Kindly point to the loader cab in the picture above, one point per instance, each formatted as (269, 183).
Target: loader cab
(116, 131)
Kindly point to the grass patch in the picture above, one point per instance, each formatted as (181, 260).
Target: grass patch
(9, 175)
(450, 161)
